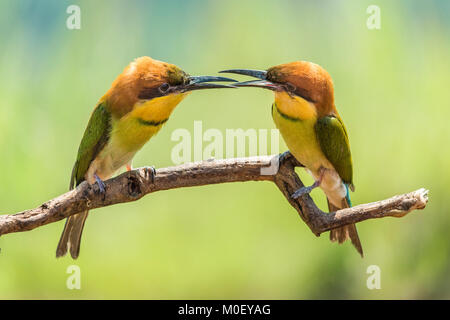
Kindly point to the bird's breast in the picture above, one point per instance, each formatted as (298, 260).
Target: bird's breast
(130, 132)
(301, 139)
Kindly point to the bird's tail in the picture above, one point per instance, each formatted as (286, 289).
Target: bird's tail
(71, 235)
(346, 232)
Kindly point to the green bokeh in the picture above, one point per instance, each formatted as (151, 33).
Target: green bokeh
(239, 240)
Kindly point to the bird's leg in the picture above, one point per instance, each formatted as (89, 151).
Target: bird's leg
(152, 171)
(306, 190)
(287, 156)
(148, 170)
(100, 183)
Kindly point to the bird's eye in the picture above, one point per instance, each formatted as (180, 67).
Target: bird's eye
(164, 88)
(290, 87)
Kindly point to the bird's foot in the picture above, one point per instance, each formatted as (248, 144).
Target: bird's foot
(305, 190)
(287, 156)
(150, 171)
(283, 157)
(101, 184)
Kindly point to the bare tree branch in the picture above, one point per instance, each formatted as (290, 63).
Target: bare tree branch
(133, 185)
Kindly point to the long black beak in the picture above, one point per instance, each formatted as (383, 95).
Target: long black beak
(260, 74)
(203, 82)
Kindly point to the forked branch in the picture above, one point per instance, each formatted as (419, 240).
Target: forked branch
(133, 185)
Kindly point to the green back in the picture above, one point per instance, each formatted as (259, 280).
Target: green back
(94, 139)
(333, 140)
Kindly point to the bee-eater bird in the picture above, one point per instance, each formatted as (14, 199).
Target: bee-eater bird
(305, 113)
(134, 109)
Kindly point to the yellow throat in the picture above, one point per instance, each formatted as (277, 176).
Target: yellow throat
(294, 106)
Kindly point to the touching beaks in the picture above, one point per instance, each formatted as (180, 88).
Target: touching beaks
(260, 74)
(204, 82)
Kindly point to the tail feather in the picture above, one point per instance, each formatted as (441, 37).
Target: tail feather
(71, 236)
(346, 232)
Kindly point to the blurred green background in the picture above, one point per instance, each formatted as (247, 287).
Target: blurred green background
(239, 240)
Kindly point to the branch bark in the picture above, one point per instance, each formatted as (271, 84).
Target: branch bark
(133, 185)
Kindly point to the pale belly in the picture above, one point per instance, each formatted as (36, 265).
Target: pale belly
(300, 138)
(108, 162)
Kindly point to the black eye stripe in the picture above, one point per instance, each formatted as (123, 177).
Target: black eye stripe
(304, 94)
(150, 93)
(289, 87)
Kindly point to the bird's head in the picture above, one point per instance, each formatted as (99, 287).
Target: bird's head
(302, 79)
(147, 79)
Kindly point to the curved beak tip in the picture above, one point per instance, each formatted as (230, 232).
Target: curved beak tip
(203, 79)
(259, 74)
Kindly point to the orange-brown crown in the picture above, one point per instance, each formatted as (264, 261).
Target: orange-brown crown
(307, 80)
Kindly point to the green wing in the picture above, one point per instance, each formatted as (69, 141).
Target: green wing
(94, 139)
(333, 140)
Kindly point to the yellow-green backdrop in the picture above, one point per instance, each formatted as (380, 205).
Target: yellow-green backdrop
(239, 240)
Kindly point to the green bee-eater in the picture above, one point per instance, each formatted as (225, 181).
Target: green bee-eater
(305, 113)
(134, 109)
